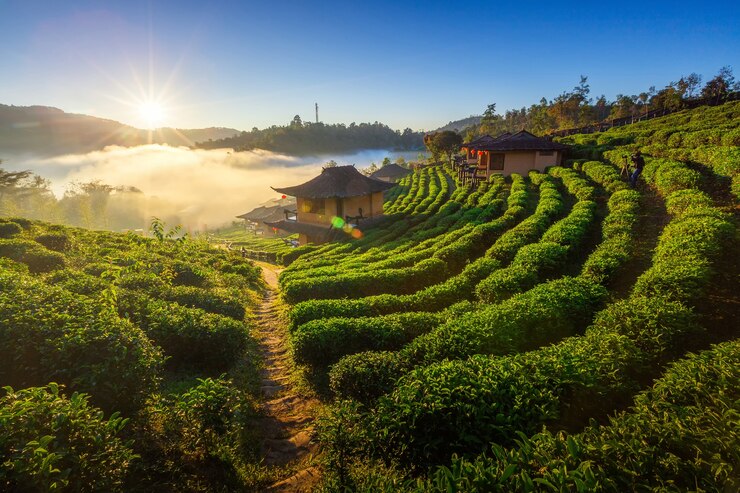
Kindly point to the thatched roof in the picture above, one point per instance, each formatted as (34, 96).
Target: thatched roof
(520, 141)
(339, 181)
(392, 171)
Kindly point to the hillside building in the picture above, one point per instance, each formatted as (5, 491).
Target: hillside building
(391, 173)
(339, 195)
(270, 211)
(512, 153)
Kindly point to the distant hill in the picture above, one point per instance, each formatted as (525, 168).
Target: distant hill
(462, 124)
(304, 138)
(46, 131)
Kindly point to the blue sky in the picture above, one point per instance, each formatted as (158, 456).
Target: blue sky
(408, 64)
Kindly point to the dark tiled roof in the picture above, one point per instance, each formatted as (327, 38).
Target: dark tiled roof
(521, 141)
(391, 171)
(339, 181)
(313, 230)
(261, 214)
(478, 141)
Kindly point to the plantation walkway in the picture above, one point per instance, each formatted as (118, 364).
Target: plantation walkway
(287, 422)
(652, 218)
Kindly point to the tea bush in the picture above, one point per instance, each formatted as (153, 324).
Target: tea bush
(49, 334)
(9, 229)
(50, 442)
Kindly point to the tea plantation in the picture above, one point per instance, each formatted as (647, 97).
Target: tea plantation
(127, 362)
(558, 331)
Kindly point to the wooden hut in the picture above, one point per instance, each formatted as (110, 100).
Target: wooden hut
(339, 192)
(513, 153)
(391, 173)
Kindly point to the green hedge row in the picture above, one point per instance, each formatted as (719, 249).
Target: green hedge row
(359, 284)
(618, 236)
(191, 338)
(567, 382)
(49, 334)
(432, 298)
(680, 435)
(36, 257)
(542, 315)
(323, 342)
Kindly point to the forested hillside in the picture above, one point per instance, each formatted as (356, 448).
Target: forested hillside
(299, 137)
(579, 108)
(555, 331)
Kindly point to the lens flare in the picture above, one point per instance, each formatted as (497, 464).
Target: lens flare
(337, 222)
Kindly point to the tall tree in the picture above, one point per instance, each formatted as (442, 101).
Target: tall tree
(720, 85)
(444, 142)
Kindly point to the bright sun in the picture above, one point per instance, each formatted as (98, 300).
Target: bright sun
(152, 113)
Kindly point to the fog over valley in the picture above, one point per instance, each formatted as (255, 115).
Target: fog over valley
(195, 188)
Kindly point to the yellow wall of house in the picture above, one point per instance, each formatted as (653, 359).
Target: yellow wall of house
(522, 162)
(377, 204)
(330, 210)
(541, 162)
(518, 162)
(372, 205)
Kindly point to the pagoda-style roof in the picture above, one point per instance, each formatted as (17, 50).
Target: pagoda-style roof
(520, 141)
(338, 181)
(392, 171)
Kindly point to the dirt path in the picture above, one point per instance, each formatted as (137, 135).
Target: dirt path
(287, 415)
(652, 218)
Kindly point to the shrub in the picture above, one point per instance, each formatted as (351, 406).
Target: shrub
(191, 338)
(200, 421)
(670, 176)
(77, 282)
(679, 435)
(49, 334)
(189, 274)
(22, 222)
(9, 229)
(58, 242)
(147, 282)
(322, 342)
(49, 442)
(682, 201)
(37, 258)
(96, 268)
(210, 300)
(366, 376)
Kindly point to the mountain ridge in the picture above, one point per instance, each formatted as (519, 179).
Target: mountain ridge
(47, 130)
